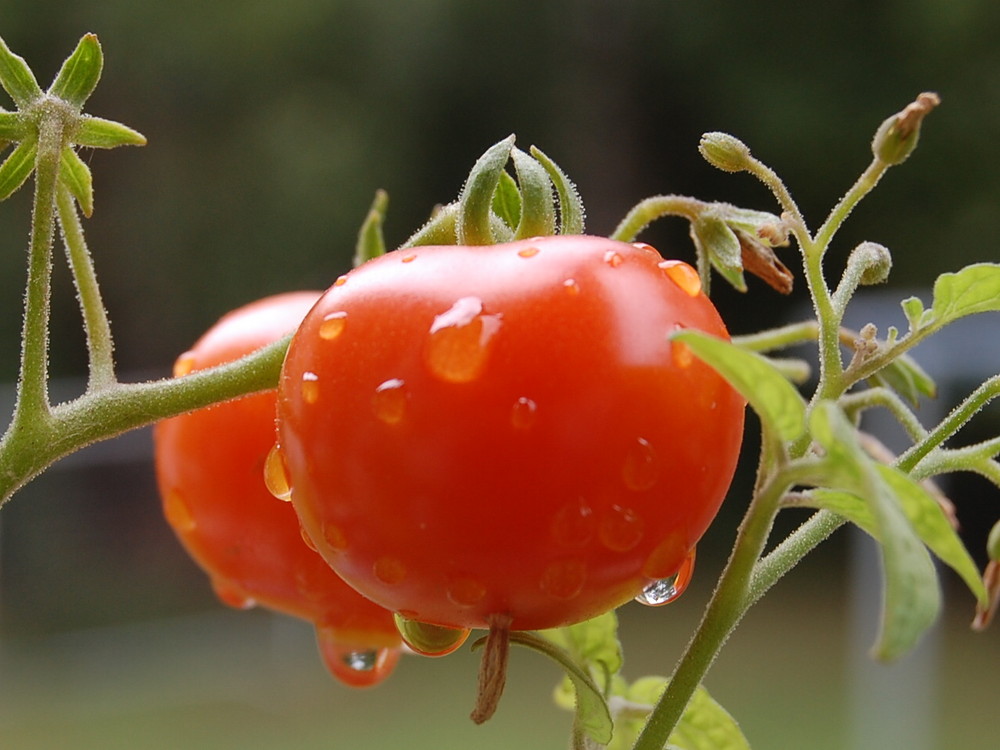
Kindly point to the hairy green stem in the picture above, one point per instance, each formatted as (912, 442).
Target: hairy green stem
(864, 185)
(651, 209)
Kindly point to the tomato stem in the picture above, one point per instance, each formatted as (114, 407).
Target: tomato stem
(493, 668)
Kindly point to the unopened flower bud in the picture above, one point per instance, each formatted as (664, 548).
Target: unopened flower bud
(875, 261)
(725, 152)
(897, 137)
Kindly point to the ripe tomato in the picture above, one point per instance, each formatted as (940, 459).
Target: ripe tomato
(210, 469)
(473, 432)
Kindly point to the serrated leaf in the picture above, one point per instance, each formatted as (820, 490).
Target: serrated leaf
(912, 597)
(973, 289)
(16, 77)
(593, 642)
(75, 175)
(80, 73)
(475, 204)
(96, 132)
(571, 213)
(904, 376)
(713, 237)
(507, 201)
(538, 211)
(781, 408)
(17, 167)
(371, 243)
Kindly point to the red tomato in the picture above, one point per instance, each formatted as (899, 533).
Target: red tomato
(472, 432)
(210, 469)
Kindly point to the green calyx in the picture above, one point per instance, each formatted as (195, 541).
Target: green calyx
(53, 121)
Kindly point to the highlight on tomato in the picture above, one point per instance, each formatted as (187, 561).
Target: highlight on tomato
(210, 467)
(506, 433)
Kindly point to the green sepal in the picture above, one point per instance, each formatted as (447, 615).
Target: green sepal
(17, 167)
(507, 201)
(440, 229)
(96, 132)
(75, 175)
(475, 223)
(912, 597)
(80, 73)
(714, 239)
(371, 242)
(571, 213)
(781, 408)
(538, 212)
(13, 127)
(16, 78)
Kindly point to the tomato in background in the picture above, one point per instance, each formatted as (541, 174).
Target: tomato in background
(210, 468)
(508, 431)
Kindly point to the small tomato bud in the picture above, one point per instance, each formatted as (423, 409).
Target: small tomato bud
(725, 152)
(897, 137)
(875, 260)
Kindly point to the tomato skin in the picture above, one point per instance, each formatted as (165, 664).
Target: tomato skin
(210, 471)
(507, 429)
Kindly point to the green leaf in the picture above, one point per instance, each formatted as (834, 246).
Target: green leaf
(713, 237)
(592, 642)
(75, 175)
(507, 201)
(17, 167)
(912, 598)
(913, 308)
(904, 376)
(13, 127)
(96, 132)
(571, 214)
(538, 212)
(475, 203)
(371, 243)
(973, 289)
(781, 408)
(592, 712)
(16, 77)
(80, 73)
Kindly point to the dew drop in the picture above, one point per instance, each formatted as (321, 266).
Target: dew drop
(352, 665)
(341, 280)
(621, 529)
(528, 252)
(408, 258)
(427, 639)
(459, 341)
(178, 513)
(641, 469)
(681, 354)
(231, 595)
(572, 287)
(613, 258)
(389, 570)
(522, 416)
(564, 579)
(665, 590)
(276, 474)
(574, 525)
(334, 536)
(466, 591)
(332, 325)
(646, 247)
(307, 539)
(683, 275)
(389, 401)
(184, 364)
(310, 387)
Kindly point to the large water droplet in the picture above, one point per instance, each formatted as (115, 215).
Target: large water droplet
(276, 474)
(332, 325)
(389, 401)
(620, 529)
(178, 512)
(683, 275)
(184, 364)
(459, 341)
(430, 640)
(564, 579)
(310, 387)
(522, 416)
(642, 467)
(665, 590)
(352, 665)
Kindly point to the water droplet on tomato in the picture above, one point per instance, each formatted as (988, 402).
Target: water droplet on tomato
(646, 247)
(389, 401)
(334, 536)
(571, 287)
(276, 474)
(641, 469)
(178, 512)
(307, 539)
(683, 275)
(681, 354)
(459, 341)
(465, 591)
(528, 252)
(354, 666)
(522, 416)
(665, 590)
(427, 639)
(564, 579)
(184, 364)
(231, 595)
(332, 325)
(613, 258)
(310, 387)
(621, 529)
(389, 570)
(341, 280)
(408, 258)
(574, 525)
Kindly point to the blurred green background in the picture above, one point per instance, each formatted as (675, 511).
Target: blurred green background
(270, 126)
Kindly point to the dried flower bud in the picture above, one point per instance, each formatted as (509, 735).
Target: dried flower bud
(725, 152)
(897, 137)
